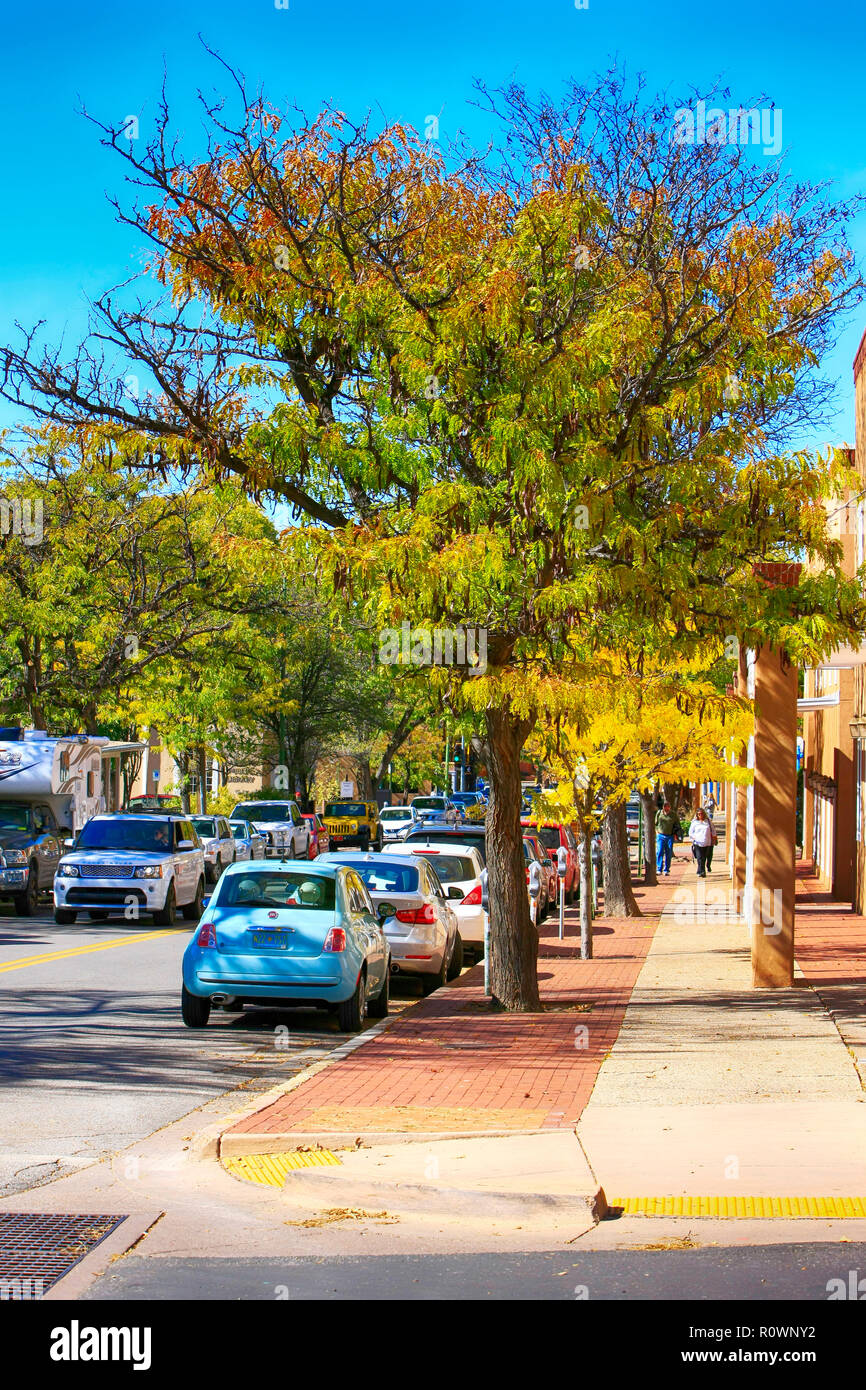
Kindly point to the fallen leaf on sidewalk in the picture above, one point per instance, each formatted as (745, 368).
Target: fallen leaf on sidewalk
(332, 1214)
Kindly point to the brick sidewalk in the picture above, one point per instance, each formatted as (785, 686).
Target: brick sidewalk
(829, 938)
(450, 1065)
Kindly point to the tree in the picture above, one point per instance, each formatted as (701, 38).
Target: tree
(544, 394)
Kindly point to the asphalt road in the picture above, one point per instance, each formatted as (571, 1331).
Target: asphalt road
(768, 1273)
(93, 1053)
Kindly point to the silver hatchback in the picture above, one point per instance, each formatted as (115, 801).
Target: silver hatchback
(416, 914)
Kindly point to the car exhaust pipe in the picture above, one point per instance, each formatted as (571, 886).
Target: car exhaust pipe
(220, 999)
(395, 969)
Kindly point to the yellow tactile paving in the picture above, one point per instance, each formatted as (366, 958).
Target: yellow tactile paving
(271, 1169)
(742, 1208)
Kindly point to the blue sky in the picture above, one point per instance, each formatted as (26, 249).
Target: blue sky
(60, 242)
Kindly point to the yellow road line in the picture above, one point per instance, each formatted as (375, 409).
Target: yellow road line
(48, 956)
(743, 1208)
(271, 1169)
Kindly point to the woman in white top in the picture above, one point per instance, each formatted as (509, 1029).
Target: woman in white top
(701, 836)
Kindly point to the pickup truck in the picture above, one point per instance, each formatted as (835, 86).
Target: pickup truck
(30, 848)
(281, 825)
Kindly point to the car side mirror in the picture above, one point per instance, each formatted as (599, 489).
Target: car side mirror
(68, 843)
(186, 844)
(384, 911)
(456, 893)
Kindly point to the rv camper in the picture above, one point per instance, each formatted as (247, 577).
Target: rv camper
(49, 789)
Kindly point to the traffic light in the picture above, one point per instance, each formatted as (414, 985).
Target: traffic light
(458, 756)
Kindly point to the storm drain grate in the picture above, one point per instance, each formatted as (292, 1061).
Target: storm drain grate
(37, 1249)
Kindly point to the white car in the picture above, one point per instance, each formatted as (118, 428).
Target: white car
(129, 864)
(280, 823)
(249, 844)
(218, 843)
(397, 820)
(460, 867)
(416, 912)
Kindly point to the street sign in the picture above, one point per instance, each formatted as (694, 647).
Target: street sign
(346, 789)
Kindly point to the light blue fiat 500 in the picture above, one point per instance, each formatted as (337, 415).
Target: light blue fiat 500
(288, 933)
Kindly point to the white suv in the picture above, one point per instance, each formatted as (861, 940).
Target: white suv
(129, 864)
(218, 844)
(280, 823)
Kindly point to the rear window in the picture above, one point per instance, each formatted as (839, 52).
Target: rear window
(549, 836)
(430, 803)
(388, 878)
(450, 868)
(204, 826)
(336, 809)
(312, 892)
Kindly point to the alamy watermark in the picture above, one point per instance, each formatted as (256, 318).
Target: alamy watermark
(421, 646)
(721, 904)
(22, 516)
(742, 126)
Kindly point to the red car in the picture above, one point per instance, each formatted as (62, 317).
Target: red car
(549, 868)
(320, 840)
(552, 837)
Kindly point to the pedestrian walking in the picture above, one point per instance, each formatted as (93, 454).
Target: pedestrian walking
(701, 835)
(710, 804)
(667, 826)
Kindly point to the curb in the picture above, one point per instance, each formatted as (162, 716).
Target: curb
(437, 1201)
(240, 1145)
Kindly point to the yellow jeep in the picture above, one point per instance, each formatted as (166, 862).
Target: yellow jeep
(353, 823)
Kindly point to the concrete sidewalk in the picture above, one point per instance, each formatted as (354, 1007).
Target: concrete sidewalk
(714, 1088)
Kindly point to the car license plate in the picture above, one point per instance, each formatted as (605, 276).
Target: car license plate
(270, 938)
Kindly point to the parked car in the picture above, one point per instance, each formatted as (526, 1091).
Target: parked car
(154, 801)
(552, 838)
(353, 823)
(473, 805)
(249, 844)
(320, 840)
(437, 810)
(397, 821)
(286, 833)
(285, 935)
(417, 914)
(30, 849)
(550, 876)
(474, 835)
(457, 867)
(218, 843)
(151, 863)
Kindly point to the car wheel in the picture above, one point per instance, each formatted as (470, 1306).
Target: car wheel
(99, 916)
(167, 916)
(352, 1013)
(456, 959)
(64, 917)
(193, 910)
(210, 874)
(27, 903)
(430, 983)
(378, 1007)
(194, 1011)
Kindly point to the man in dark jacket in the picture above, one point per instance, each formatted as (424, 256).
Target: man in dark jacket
(667, 826)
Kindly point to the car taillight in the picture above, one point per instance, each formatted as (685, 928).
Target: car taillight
(417, 914)
(335, 940)
(206, 935)
(527, 875)
(473, 898)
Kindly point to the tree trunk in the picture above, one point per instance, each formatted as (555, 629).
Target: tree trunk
(648, 802)
(201, 759)
(619, 900)
(513, 938)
